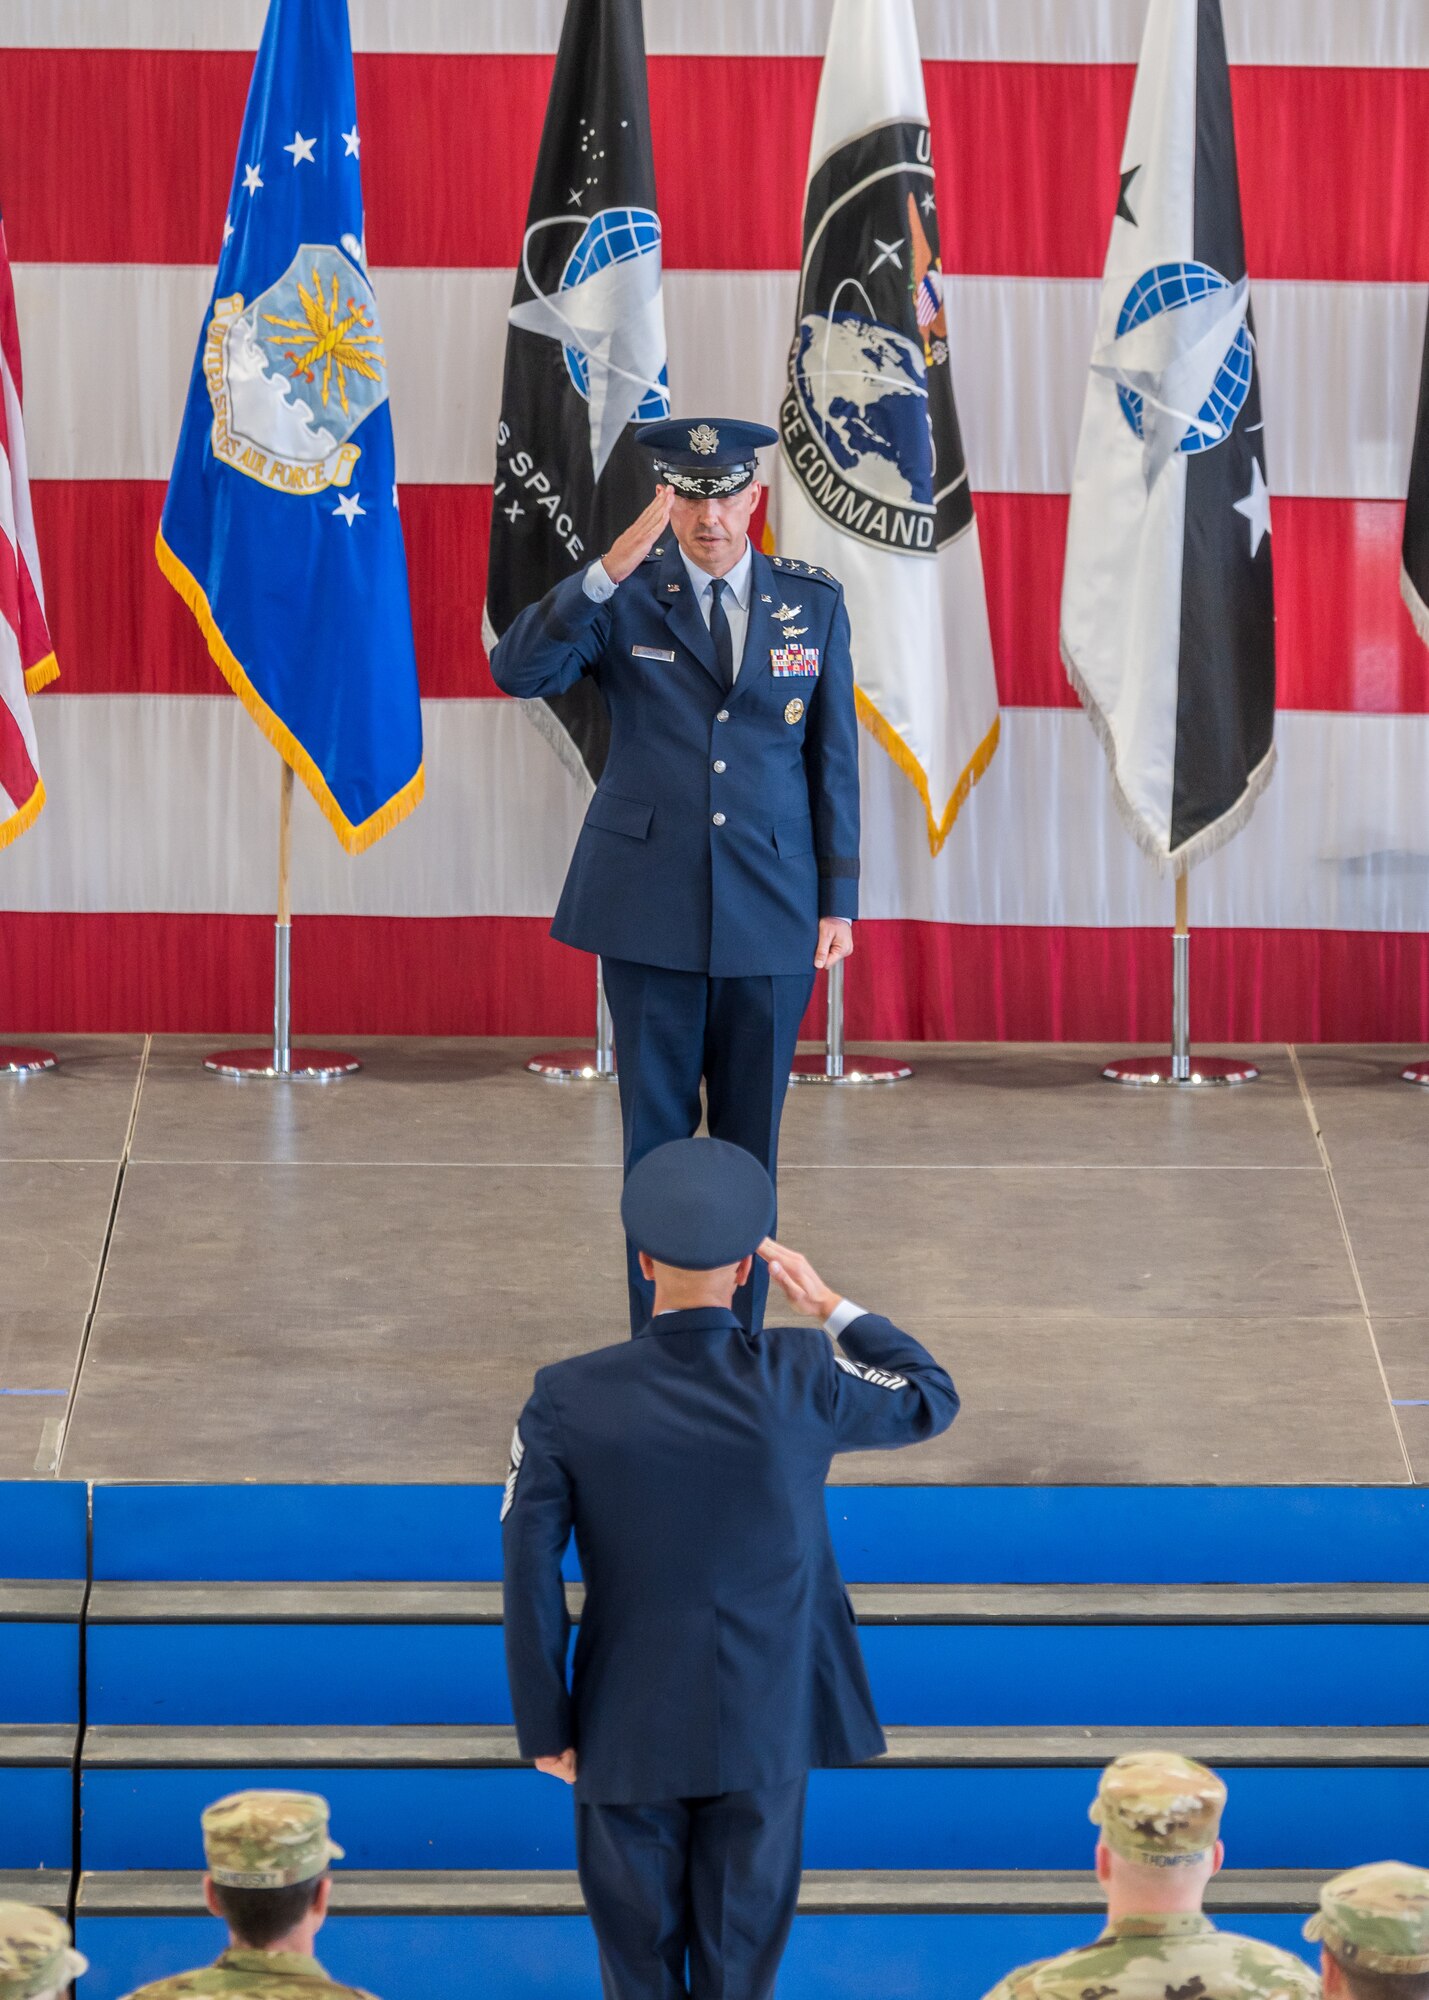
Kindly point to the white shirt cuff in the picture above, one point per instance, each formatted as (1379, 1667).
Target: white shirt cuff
(843, 1315)
(597, 584)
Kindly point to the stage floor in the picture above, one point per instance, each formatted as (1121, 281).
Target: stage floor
(210, 1280)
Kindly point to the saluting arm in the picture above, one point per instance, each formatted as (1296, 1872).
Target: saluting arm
(831, 762)
(548, 646)
(536, 1526)
(885, 1390)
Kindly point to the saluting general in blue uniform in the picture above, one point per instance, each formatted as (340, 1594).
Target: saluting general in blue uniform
(717, 1660)
(718, 864)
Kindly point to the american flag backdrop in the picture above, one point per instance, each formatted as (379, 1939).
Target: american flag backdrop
(143, 896)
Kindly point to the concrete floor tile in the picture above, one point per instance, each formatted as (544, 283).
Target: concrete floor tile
(413, 1100)
(988, 1105)
(79, 1111)
(1387, 1215)
(1404, 1350)
(1079, 1399)
(53, 1215)
(37, 1357)
(492, 1246)
(934, 1245)
(248, 1396)
(1368, 1116)
(1415, 1426)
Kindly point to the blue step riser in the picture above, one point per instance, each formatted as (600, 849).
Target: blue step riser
(44, 1528)
(532, 1958)
(870, 1818)
(895, 1534)
(39, 1673)
(1289, 1675)
(36, 1818)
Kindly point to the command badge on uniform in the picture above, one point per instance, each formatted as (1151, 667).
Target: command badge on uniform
(793, 709)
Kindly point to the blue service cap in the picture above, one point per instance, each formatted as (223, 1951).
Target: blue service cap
(705, 457)
(698, 1204)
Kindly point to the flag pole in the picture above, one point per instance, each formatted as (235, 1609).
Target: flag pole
(1179, 1068)
(834, 1065)
(276, 1063)
(593, 1065)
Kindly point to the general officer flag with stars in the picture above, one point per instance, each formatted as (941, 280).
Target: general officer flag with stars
(281, 529)
(585, 348)
(1168, 621)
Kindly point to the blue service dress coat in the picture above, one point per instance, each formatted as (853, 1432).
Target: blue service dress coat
(724, 825)
(717, 1650)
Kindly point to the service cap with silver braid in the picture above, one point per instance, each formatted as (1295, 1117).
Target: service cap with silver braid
(705, 457)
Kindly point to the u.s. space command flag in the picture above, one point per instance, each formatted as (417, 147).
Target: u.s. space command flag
(870, 480)
(281, 530)
(1168, 622)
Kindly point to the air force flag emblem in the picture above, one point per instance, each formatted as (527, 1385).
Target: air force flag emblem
(292, 375)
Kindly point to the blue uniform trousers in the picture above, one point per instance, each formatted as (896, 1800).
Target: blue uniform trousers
(740, 1035)
(693, 1896)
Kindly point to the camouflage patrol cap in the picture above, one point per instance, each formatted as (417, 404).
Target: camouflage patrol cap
(267, 1840)
(1156, 1807)
(35, 1952)
(1376, 1917)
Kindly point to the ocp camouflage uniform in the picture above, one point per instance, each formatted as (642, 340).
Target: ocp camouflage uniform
(36, 1955)
(1161, 1810)
(1376, 1917)
(261, 1840)
(252, 1975)
(1147, 1958)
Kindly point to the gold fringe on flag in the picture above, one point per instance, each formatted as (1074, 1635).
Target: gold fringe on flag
(883, 733)
(356, 839)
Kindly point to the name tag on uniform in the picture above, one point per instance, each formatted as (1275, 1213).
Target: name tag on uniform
(653, 652)
(785, 660)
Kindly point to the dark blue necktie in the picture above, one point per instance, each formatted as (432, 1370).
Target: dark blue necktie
(721, 634)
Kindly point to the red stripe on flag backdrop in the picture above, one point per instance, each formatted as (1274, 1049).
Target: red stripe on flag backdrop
(117, 973)
(1326, 160)
(1345, 641)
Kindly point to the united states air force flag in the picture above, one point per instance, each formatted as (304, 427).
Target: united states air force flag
(1168, 622)
(871, 480)
(281, 530)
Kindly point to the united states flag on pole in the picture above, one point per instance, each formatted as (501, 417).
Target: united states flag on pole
(27, 660)
(1168, 620)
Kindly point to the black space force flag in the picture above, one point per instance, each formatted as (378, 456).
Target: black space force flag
(1168, 619)
(1414, 575)
(585, 348)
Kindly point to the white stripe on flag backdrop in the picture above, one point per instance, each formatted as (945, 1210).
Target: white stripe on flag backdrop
(158, 789)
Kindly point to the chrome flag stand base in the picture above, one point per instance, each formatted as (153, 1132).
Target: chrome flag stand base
(1414, 1073)
(1180, 1068)
(595, 1065)
(833, 1066)
(25, 1062)
(279, 1064)
(282, 1063)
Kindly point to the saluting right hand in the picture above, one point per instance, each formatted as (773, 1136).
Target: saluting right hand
(798, 1280)
(629, 550)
